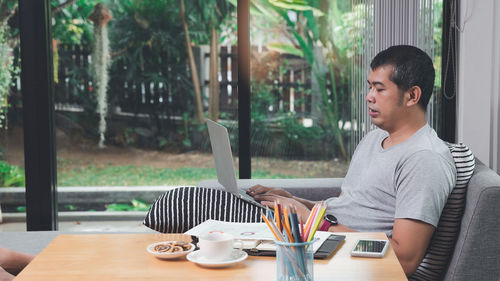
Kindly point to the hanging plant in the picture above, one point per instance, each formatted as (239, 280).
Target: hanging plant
(100, 64)
(6, 69)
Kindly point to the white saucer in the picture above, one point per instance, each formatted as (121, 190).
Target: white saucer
(236, 257)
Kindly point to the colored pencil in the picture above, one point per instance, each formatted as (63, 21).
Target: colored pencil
(319, 219)
(287, 225)
(309, 222)
(296, 227)
(269, 225)
(280, 211)
(277, 215)
(301, 229)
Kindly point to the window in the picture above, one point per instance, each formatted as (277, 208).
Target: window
(12, 179)
(310, 63)
(129, 105)
(306, 110)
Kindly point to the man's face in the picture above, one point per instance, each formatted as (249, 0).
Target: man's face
(384, 100)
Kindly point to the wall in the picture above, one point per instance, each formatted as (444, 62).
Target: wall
(496, 93)
(478, 76)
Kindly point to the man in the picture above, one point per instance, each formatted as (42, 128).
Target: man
(398, 181)
(11, 263)
(401, 174)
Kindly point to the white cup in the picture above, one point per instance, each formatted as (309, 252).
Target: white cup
(216, 246)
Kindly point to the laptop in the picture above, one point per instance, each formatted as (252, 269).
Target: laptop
(221, 149)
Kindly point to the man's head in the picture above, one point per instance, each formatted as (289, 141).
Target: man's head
(401, 81)
(410, 67)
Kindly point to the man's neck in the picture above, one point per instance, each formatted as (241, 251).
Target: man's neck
(403, 133)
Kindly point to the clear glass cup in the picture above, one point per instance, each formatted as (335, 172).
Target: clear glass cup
(294, 261)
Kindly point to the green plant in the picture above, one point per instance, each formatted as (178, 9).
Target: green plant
(137, 176)
(6, 70)
(100, 64)
(70, 207)
(311, 28)
(263, 98)
(11, 176)
(136, 205)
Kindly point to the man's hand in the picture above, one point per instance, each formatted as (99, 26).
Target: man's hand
(13, 262)
(290, 203)
(260, 189)
(410, 239)
(5, 276)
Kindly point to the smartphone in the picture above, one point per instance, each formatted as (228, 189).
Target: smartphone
(372, 248)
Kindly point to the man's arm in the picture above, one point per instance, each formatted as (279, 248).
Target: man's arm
(269, 200)
(13, 262)
(5, 276)
(257, 190)
(410, 239)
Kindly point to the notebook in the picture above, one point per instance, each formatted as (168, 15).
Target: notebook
(226, 175)
(258, 240)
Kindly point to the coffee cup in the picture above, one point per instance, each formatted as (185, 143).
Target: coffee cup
(216, 246)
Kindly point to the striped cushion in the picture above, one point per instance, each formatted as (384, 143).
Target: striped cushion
(443, 241)
(181, 209)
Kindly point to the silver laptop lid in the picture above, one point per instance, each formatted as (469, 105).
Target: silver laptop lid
(221, 149)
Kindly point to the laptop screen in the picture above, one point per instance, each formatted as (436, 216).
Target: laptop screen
(221, 149)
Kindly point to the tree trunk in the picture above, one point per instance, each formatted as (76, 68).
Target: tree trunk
(336, 116)
(192, 65)
(214, 76)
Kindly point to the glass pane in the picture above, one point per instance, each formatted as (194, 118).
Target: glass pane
(310, 62)
(300, 89)
(12, 181)
(127, 113)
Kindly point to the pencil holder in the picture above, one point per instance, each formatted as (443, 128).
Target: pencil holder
(294, 261)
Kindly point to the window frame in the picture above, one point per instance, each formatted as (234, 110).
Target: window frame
(38, 105)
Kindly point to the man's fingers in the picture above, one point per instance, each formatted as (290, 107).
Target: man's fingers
(267, 203)
(258, 189)
(267, 197)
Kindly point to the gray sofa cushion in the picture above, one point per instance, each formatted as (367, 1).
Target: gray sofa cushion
(477, 251)
(443, 240)
(314, 189)
(32, 242)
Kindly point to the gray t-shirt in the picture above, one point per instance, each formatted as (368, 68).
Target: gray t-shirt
(409, 180)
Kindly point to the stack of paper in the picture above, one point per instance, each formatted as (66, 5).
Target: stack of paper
(254, 235)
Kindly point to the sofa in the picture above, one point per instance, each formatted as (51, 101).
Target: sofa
(477, 251)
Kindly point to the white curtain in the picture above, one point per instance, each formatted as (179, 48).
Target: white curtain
(381, 24)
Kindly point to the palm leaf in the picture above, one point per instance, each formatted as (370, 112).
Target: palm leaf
(287, 49)
(296, 5)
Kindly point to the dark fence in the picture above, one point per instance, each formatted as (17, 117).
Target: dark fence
(228, 95)
(73, 75)
(156, 86)
(141, 94)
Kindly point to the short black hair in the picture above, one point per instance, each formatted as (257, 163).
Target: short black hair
(410, 67)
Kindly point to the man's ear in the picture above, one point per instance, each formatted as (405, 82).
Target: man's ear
(413, 96)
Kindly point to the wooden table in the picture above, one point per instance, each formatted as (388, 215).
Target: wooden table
(124, 257)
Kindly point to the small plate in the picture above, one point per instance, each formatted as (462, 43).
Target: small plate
(236, 257)
(167, 256)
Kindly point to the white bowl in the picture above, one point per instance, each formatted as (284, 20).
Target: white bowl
(167, 256)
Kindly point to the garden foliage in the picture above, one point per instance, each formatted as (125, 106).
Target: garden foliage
(11, 176)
